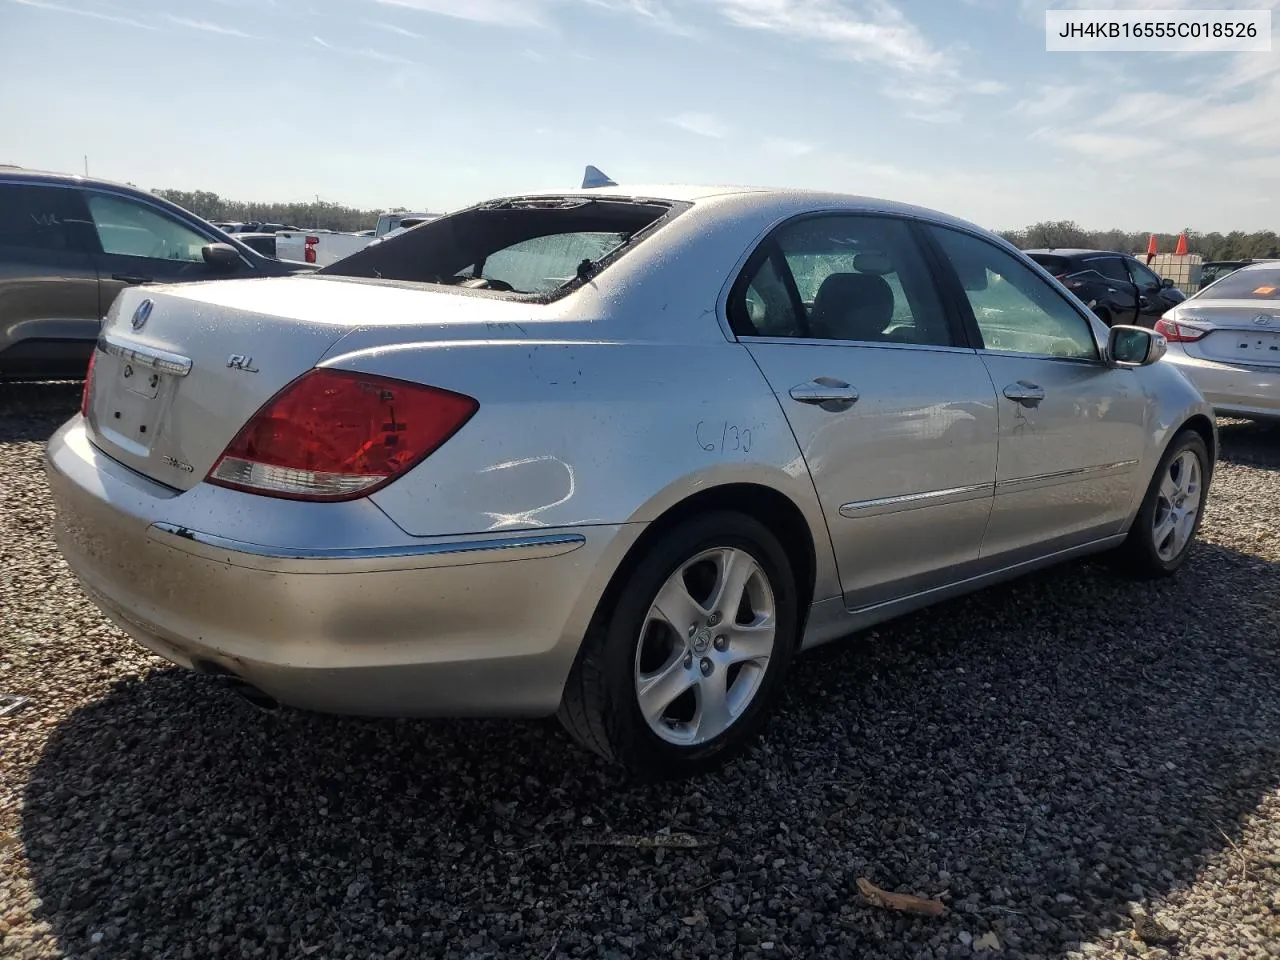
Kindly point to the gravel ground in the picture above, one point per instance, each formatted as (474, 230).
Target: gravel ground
(1045, 758)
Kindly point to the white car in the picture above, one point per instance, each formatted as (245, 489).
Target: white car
(1226, 339)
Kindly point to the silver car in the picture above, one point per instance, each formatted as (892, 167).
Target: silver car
(613, 454)
(1226, 339)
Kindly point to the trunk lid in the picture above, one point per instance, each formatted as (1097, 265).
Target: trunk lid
(1239, 331)
(174, 381)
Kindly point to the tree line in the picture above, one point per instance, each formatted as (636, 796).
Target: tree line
(1235, 245)
(319, 215)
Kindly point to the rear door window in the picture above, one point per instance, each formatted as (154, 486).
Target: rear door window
(40, 218)
(1110, 267)
(856, 278)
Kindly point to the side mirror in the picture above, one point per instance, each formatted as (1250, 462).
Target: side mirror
(220, 254)
(1134, 346)
(1166, 283)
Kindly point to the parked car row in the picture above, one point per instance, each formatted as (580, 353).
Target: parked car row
(611, 454)
(323, 247)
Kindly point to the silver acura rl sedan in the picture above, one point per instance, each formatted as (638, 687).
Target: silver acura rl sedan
(613, 454)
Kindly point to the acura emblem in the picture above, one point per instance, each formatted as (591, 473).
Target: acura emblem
(1263, 318)
(141, 314)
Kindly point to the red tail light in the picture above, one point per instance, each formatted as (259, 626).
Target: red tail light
(88, 384)
(309, 249)
(1176, 332)
(335, 435)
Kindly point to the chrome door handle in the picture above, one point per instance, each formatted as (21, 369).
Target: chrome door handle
(1025, 393)
(832, 395)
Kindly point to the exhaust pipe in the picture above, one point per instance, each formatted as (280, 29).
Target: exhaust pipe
(242, 688)
(252, 695)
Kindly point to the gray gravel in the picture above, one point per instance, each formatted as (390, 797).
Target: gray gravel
(1045, 757)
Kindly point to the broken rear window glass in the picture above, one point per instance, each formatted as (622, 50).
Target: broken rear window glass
(538, 247)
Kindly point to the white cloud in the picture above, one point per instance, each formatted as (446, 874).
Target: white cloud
(366, 53)
(987, 88)
(789, 148)
(1102, 146)
(655, 13)
(394, 28)
(91, 14)
(1258, 168)
(511, 13)
(702, 124)
(208, 27)
(1048, 100)
(874, 32)
(530, 54)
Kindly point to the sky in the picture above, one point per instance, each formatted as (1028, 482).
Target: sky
(435, 104)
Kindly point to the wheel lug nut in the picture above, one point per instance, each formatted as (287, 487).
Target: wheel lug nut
(688, 660)
(714, 619)
(707, 667)
(722, 642)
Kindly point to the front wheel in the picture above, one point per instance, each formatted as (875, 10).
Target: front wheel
(681, 673)
(1169, 518)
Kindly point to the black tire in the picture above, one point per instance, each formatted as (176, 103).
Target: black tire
(600, 706)
(1137, 556)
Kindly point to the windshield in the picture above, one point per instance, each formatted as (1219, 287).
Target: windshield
(1246, 284)
(533, 246)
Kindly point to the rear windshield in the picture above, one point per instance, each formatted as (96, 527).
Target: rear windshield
(536, 247)
(1246, 285)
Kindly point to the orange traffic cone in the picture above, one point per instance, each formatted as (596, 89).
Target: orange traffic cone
(1151, 249)
(1181, 250)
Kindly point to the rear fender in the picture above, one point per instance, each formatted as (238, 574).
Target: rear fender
(578, 433)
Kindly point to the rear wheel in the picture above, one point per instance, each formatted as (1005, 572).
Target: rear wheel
(682, 672)
(1169, 518)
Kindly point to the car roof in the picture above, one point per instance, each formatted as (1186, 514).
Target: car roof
(1257, 265)
(52, 176)
(780, 200)
(1075, 252)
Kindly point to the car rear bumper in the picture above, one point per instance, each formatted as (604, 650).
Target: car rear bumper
(372, 623)
(1232, 389)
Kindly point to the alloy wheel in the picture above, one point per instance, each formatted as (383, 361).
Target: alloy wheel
(704, 646)
(1177, 505)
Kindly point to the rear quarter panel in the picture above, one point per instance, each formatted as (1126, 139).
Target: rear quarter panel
(573, 433)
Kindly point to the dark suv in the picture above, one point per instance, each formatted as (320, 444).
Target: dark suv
(1115, 286)
(69, 244)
